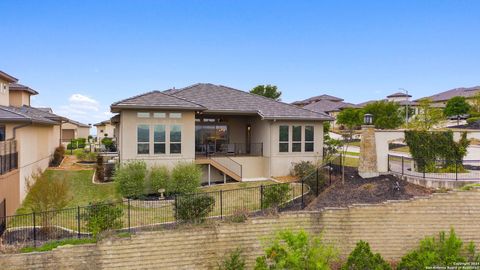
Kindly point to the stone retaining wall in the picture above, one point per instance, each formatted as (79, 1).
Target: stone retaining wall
(391, 228)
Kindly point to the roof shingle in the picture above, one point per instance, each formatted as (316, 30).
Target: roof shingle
(155, 100)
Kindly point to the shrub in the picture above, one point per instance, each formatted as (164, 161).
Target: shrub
(303, 168)
(158, 179)
(71, 146)
(239, 215)
(102, 217)
(193, 207)
(109, 144)
(58, 155)
(234, 261)
(362, 258)
(186, 178)
(472, 120)
(442, 251)
(275, 195)
(290, 250)
(46, 194)
(130, 179)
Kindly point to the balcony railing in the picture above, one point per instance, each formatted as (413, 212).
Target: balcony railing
(8, 156)
(232, 149)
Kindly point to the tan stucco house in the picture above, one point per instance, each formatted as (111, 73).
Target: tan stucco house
(105, 129)
(72, 129)
(230, 132)
(28, 138)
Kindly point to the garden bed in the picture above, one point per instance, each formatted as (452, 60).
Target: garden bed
(357, 190)
(26, 235)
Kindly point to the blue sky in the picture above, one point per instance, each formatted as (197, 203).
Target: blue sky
(83, 55)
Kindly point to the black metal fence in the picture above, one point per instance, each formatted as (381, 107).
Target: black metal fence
(461, 170)
(8, 156)
(139, 215)
(3, 214)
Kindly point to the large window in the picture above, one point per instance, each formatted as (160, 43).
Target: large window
(143, 139)
(159, 139)
(309, 135)
(175, 139)
(283, 139)
(297, 139)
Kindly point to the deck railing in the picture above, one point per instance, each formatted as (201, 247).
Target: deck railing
(232, 149)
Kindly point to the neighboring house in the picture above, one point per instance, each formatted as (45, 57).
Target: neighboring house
(325, 104)
(105, 129)
(232, 133)
(440, 99)
(402, 99)
(28, 138)
(74, 130)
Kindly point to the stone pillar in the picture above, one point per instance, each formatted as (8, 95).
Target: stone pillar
(367, 166)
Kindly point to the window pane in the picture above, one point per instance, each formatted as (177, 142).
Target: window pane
(175, 115)
(283, 134)
(308, 147)
(142, 148)
(296, 147)
(159, 133)
(175, 148)
(2, 133)
(143, 133)
(297, 133)
(159, 115)
(309, 133)
(159, 148)
(175, 133)
(283, 147)
(221, 131)
(143, 115)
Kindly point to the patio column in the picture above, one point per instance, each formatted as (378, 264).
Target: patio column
(224, 178)
(209, 179)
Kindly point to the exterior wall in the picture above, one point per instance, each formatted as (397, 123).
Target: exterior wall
(19, 98)
(392, 229)
(10, 190)
(83, 132)
(4, 93)
(107, 129)
(253, 168)
(35, 144)
(128, 139)
(281, 163)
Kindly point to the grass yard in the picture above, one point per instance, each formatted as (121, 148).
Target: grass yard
(82, 190)
(236, 185)
(351, 162)
(403, 149)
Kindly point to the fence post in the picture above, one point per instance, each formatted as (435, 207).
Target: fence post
(403, 165)
(128, 213)
(78, 221)
(176, 208)
(330, 169)
(317, 181)
(221, 204)
(34, 230)
(456, 170)
(303, 202)
(261, 197)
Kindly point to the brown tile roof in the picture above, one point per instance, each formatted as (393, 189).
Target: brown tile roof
(328, 106)
(398, 94)
(223, 99)
(28, 114)
(317, 98)
(155, 100)
(21, 87)
(462, 91)
(7, 77)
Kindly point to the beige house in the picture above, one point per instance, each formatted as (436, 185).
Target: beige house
(440, 100)
(105, 129)
(232, 133)
(74, 130)
(28, 138)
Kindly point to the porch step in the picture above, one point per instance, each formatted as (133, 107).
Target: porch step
(218, 166)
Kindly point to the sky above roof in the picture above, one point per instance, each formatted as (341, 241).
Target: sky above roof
(84, 55)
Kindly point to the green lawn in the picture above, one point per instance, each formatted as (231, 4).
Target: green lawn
(82, 190)
(236, 185)
(403, 149)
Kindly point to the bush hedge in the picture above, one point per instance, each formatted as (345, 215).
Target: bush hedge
(130, 179)
(58, 156)
(363, 258)
(186, 178)
(193, 207)
(472, 120)
(158, 178)
(102, 217)
(275, 195)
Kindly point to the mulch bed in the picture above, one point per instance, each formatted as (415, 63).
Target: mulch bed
(357, 190)
(25, 235)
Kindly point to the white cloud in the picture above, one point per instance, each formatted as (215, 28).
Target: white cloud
(84, 109)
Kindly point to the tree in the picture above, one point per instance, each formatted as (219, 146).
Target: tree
(456, 106)
(269, 91)
(330, 145)
(386, 115)
(428, 116)
(296, 251)
(475, 106)
(351, 119)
